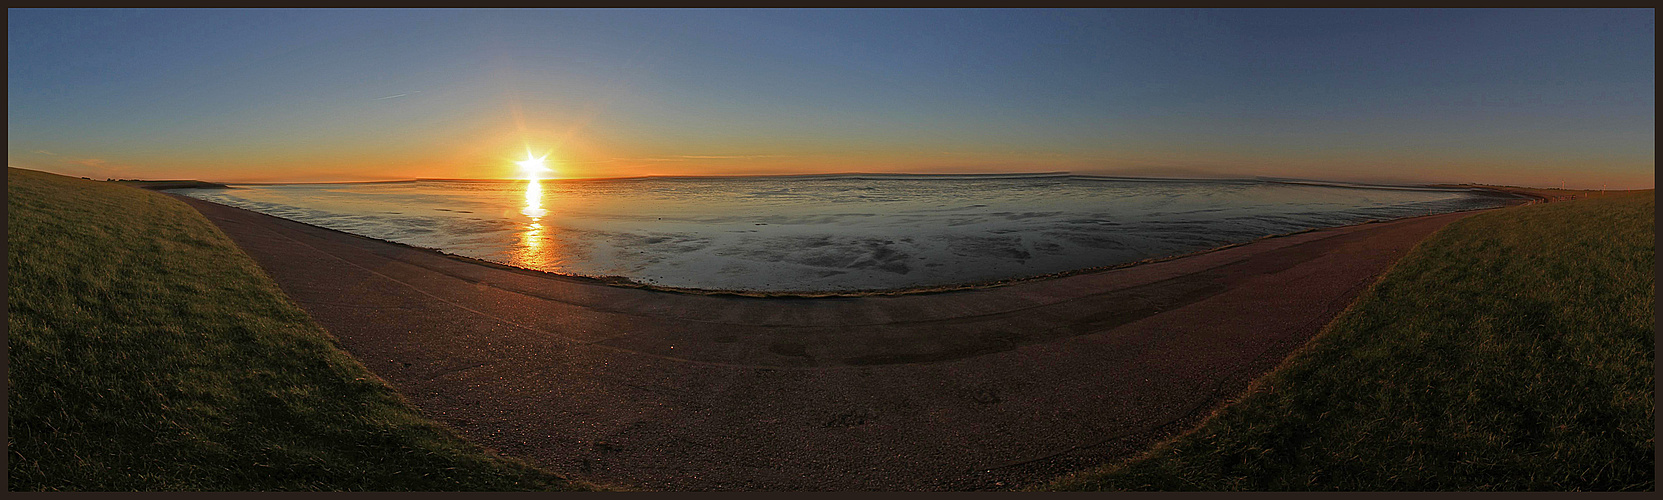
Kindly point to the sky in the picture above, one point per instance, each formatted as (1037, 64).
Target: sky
(1513, 97)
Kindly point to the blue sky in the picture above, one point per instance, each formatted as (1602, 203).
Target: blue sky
(1495, 96)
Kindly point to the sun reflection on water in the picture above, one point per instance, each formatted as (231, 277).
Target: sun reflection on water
(533, 250)
(534, 200)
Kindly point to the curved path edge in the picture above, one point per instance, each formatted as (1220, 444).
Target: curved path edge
(972, 389)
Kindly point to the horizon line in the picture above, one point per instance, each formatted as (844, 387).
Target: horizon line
(1058, 174)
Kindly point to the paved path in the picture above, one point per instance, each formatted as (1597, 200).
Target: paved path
(983, 388)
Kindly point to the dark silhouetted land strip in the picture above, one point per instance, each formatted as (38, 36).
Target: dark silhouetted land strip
(148, 353)
(173, 184)
(1511, 351)
(982, 388)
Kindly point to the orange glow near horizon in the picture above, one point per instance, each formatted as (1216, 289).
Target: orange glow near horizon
(580, 160)
(542, 154)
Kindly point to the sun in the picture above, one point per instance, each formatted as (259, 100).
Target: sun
(532, 168)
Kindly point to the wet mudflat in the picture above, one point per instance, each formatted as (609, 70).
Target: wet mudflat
(835, 233)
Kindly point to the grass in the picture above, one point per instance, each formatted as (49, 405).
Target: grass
(1512, 350)
(148, 353)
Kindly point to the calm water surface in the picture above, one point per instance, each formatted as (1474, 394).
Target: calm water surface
(833, 233)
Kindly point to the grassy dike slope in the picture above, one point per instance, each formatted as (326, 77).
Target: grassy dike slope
(1512, 350)
(148, 353)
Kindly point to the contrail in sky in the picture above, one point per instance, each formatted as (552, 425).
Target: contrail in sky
(398, 95)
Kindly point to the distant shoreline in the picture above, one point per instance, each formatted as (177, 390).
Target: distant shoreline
(172, 184)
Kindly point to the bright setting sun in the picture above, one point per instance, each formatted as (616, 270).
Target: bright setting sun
(533, 168)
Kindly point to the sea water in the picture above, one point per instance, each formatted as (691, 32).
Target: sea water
(832, 233)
